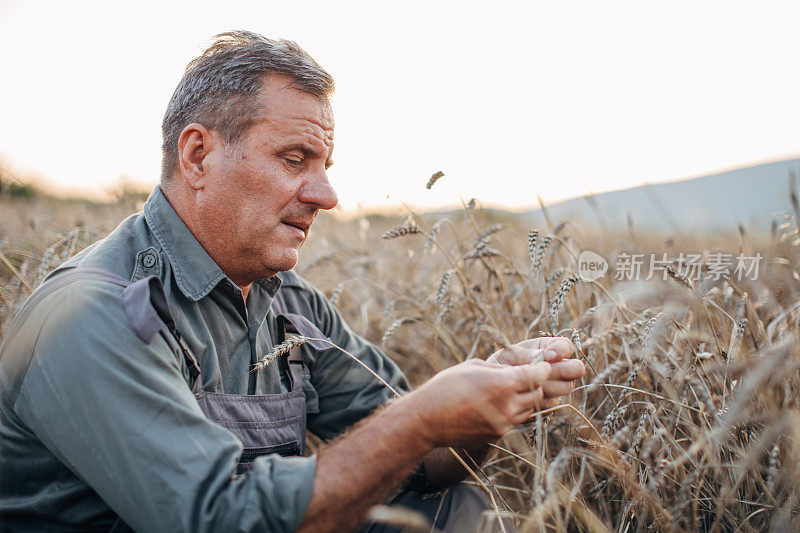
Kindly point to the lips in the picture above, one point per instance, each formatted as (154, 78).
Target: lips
(302, 225)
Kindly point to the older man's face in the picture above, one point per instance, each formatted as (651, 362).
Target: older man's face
(266, 191)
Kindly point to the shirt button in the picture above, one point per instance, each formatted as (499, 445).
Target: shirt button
(149, 260)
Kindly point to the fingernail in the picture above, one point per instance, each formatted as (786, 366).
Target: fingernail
(550, 355)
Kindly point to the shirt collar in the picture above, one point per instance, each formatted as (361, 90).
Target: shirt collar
(195, 272)
(270, 285)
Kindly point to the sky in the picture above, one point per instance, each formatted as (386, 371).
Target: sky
(509, 99)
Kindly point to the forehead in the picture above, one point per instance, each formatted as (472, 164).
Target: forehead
(288, 109)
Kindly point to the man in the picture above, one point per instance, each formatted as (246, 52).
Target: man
(129, 396)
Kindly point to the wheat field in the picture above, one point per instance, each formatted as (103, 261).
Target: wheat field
(687, 418)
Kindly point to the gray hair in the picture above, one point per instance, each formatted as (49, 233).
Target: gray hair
(219, 88)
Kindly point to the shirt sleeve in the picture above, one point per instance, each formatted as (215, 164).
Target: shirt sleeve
(347, 392)
(119, 414)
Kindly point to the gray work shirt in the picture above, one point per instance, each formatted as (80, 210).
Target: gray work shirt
(96, 425)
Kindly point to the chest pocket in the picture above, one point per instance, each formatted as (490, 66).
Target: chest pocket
(294, 324)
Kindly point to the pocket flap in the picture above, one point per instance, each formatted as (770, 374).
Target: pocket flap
(303, 326)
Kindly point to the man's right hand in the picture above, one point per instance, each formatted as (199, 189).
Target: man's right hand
(465, 406)
(476, 402)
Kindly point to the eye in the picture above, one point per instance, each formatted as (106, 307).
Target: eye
(293, 160)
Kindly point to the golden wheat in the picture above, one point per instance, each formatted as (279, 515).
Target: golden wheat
(686, 420)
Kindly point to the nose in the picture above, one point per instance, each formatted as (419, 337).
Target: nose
(319, 192)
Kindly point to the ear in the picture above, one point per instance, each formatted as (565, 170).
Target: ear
(195, 144)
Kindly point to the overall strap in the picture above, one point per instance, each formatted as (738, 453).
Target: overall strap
(285, 324)
(144, 302)
(191, 363)
(292, 365)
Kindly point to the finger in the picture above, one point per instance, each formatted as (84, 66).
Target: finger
(555, 348)
(549, 403)
(518, 355)
(567, 370)
(544, 405)
(556, 389)
(529, 403)
(528, 377)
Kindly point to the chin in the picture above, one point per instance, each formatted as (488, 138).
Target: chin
(286, 261)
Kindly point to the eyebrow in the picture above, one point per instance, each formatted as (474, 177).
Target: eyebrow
(306, 149)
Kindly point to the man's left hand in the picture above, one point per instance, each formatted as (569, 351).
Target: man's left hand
(558, 352)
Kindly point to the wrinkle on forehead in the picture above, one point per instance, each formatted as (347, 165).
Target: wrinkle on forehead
(321, 127)
(296, 111)
(302, 129)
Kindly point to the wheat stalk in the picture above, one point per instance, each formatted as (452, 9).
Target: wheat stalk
(561, 293)
(407, 228)
(279, 350)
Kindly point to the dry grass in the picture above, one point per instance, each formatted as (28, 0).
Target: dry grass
(688, 415)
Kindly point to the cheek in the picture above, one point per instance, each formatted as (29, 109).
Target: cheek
(256, 195)
(271, 188)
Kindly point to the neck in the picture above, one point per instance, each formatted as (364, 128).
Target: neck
(245, 291)
(183, 202)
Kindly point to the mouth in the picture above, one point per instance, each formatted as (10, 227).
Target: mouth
(300, 225)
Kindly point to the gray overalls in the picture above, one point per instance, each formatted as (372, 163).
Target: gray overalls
(272, 423)
(265, 424)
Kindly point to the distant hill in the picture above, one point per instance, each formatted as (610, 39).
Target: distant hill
(750, 196)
